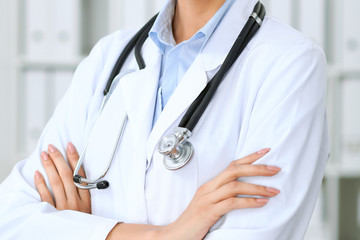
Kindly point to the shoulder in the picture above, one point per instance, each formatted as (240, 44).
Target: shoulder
(113, 42)
(93, 71)
(278, 47)
(276, 39)
(282, 58)
(105, 52)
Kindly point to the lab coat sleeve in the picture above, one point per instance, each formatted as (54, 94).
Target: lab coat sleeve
(22, 214)
(288, 115)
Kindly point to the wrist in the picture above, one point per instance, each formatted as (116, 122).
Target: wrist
(159, 233)
(134, 231)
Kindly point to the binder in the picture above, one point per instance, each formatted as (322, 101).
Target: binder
(65, 35)
(52, 29)
(351, 34)
(37, 25)
(350, 124)
(97, 16)
(312, 19)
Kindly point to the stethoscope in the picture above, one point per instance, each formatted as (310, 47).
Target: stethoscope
(176, 148)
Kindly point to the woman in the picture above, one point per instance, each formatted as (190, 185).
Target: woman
(273, 97)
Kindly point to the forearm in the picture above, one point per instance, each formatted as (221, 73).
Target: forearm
(134, 231)
(177, 230)
(210, 202)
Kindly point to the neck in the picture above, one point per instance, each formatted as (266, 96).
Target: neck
(191, 15)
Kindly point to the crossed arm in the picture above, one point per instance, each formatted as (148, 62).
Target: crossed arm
(211, 201)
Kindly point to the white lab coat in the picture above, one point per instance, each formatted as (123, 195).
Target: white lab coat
(273, 96)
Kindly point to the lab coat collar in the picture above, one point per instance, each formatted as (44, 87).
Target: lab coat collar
(197, 76)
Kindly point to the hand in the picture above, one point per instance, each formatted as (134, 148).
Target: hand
(60, 174)
(220, 196)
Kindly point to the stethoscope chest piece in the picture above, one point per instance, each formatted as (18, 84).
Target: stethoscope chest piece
(176, 149)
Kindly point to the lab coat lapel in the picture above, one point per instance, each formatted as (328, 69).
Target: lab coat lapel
(193, 82)
(139, 90)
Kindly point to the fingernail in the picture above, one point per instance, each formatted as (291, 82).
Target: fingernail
(262, 200)
(263, 151)
(44, 156)
(272, 190)
(273, 169)
(71, 148)
(37, 174)
(51, 148)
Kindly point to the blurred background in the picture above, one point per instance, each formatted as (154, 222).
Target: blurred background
(42, 41)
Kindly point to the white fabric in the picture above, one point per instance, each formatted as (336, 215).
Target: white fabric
(274, 96)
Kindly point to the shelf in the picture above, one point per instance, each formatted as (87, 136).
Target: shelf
(66, 64)
(337, 71)
(347, 170)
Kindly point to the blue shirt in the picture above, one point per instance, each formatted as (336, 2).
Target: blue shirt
(176, 59)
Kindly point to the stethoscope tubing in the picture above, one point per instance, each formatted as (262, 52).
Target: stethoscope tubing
(82, 154)
(196, 109)
(92, 183)
(127, 50)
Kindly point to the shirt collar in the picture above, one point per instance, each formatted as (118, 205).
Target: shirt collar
(161, 32)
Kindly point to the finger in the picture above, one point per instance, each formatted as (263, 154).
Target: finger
(65, 174)
(73, 158)
(235, 171)
(42, 189)
(253, 157)
(230, 173)
(235, 188)
(54, 179)
(233, 203)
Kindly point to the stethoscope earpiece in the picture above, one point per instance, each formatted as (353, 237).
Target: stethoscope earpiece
(103, 184)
